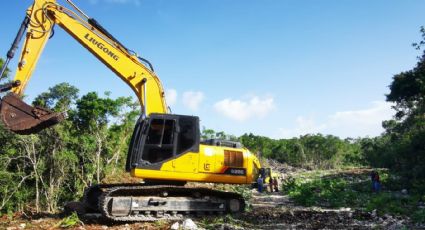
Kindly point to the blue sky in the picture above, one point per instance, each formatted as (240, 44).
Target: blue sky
(271, 67)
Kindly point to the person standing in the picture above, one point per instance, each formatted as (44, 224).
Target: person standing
(260, 184)
(271, 181)
(275, 185)
(372, 178)
(377, 183)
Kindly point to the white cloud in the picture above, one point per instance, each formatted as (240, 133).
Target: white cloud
(354, 123)
(361, 122)
(192, 99)
(240, 110)
(171, 96)
(303, 126)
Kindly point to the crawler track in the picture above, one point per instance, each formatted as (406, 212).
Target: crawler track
(129, 202)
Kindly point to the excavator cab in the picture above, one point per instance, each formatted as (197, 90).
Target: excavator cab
(162, 137)
(21, 118)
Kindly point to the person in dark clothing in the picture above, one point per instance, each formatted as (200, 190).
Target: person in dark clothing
(376, 182)
(260, 184)
(275, 185)
(271, 181)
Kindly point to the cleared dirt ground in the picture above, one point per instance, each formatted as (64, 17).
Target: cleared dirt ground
(268, 211)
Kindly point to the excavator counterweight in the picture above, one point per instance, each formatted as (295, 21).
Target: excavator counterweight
(21, 118)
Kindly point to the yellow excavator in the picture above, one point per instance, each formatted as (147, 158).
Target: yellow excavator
(165, 149)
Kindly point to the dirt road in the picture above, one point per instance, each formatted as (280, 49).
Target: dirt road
(275, 211)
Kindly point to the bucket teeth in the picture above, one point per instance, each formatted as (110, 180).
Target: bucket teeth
(21, 118)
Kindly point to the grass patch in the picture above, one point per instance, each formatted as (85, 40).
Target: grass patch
(69, 221)
(347, 189)
(328, 193)
(419, 216)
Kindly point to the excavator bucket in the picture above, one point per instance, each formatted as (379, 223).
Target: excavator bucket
(21, 118)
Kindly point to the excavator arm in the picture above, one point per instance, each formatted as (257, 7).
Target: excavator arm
(38, 24)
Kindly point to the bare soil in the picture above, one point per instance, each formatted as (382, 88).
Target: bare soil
(268, 211)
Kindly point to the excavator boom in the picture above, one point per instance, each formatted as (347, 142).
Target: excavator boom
(36, 28)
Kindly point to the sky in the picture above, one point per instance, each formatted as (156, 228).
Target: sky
(276, 68)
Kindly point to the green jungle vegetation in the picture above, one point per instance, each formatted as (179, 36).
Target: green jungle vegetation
(40, 172)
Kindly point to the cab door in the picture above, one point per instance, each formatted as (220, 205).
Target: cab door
(187, 145)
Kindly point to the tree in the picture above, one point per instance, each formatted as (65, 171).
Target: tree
(43, 171)
(207, 133)
(404, 150)
(59, 97)
(91, 122)
(13, 170)
(6, 73)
